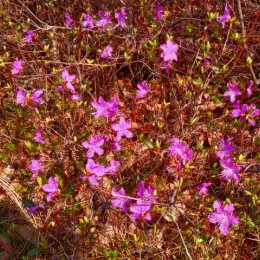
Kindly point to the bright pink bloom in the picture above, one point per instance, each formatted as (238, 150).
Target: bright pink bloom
(249, 88)
(143, 89)
(51, 187)
(206, 64)
(29, 36)
(232, 92)
(94, 171)
(20, 97)
(104, 19)
(140, 211)
(225, 148)
(38, 136)
(94, 145)
(17, 66)
(106, 109)
(230, 170)
(113, 166)
(68, 79)
(170, 50)
(158, 12)
(36, 96)
(32, 209)
(35, 167)
(88, 22)
(223, 217)
(182, 151)
(121, 16)
(146, 192)
(222, 19)
(203, 188)
(120, 202)
(68, 20)
(122, 129)
(75, 97)
(107, 52)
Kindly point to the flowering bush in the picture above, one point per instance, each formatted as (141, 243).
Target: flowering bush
(128, 124)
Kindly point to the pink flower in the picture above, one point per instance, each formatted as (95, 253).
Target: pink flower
(120, 202)
(51, 187)
(88, 22)
(75, 97)
(113, 166)
(182, 151)
(222, 19)
(223, 217)
(121, 16)
(35, 167)
(146, 192)
(140, 211)
(68, 79)
(68, 20)
(32, 209)
(122, 129)
(206, 64)
(143, 90)
(249, 88)
(225, 148)
(106, 109)
(203, 188)
(104, 19)
(232, 92)
(94, 171)
(158, 12)
(230, 170)
(94, 145)
(29, 36)
(169, 51)
(107, 52)
(17, 66)
(38, 136)
(20, 97)
(36, 96)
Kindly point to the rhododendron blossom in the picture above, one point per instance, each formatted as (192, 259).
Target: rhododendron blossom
(170, 50)
(146, 192)
(232, 92)
(158, 12)
(120, 202)
(121, 16)
(51, 187)
(94, 171)
(32, 209)
(36, 96)
(35, 167)
(222, 19)
(143, 90)
(203, 188)
(68, 79)
(88, 21)
(38, 136)
(29, 36)
(107, 52)
(140, 211)
(104, 19)
(223, 217)
(225, 148)
(114, 164)
(68, 20)
(17, 66)
(20, 97)
(230, 170)
(94, 145)
(122, 128)
(106, 109)
(179, 149)
(249, 91)
(245, 112)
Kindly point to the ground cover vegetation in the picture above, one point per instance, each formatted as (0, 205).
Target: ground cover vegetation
(129, 129)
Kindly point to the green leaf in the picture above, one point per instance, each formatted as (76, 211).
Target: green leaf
(33, 252)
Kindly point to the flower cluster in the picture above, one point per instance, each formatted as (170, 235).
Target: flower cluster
(140, 209)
